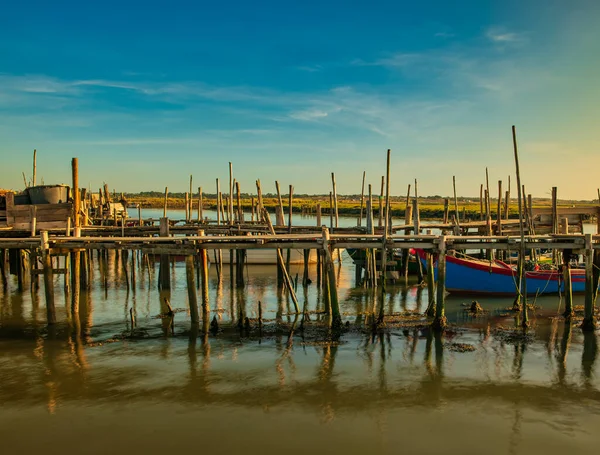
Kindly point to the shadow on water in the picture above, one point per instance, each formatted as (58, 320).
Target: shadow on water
(499, 388)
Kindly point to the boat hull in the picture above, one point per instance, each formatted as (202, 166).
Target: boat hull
(465, 276)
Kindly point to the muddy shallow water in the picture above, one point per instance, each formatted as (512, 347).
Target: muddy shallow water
(85, 388)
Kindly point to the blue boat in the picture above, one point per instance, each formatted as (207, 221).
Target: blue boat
(472, 276)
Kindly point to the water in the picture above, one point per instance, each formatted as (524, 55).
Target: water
(83, 388)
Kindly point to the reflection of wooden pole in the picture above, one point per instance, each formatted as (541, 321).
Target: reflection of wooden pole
(191, 286)
(48, 278)
(280, 262)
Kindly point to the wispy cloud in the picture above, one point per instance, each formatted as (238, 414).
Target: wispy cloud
(310, 68)
(500, 35)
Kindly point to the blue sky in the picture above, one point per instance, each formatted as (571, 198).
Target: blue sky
(146, 94)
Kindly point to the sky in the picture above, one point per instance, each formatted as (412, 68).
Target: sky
(147, 93)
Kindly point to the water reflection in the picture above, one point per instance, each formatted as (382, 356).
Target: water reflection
(384, 379)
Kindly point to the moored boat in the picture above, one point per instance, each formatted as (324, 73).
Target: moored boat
(472, 276)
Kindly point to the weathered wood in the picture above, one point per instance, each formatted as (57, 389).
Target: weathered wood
(76, 194)
(200, 205)
(589, 321)
(416, 214)
(290, 208)
(430, 312)
(33, 178)
(164, 282)
(439, 322)
(554, 210)
(387, 196)
(362, 199)
(520, 281)
(191, 287)
(203, 264)
(456, 213)
(499, 210)
(380, 211)
(336, 319)
(335, 200)
(75, 275)
(230, 204)
(165, 203)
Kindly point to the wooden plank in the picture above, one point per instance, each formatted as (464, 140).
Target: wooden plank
(41, 208)
(565, 211)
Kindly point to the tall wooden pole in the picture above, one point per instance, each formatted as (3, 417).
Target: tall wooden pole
(525, 321)
(362, 199)
(33, 178)
(335, 201)
(165, 204)
(455, 201)
(387, 198)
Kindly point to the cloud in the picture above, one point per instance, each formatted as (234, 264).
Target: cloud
(500, 35)
(310, 68)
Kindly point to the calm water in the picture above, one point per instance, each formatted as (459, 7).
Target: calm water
(82, 388)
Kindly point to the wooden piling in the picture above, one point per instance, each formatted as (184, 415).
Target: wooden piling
(335, 200)
(203, 264)
(362, 199)
(387, 196)
(164, 277)
(416, 214)
(290, 208)
(521, 299)
(165, 203)
(589, 321)
(191, 287)
(439, 322)
(75, 275)
(380, 211)
(457, 214)
(200, 208)
(336, 319)
(499, 210)
(430, 312)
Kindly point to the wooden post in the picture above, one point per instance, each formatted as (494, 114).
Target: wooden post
(362, 199)
(187, 207)
(48, 278)
(203, 263)
(380, 212)
(75, 275)
(446, 210)
(200, 208)
(554, 210)
(520, 277)
(416, 214)
(165, 204)
(330, 210)
(191, 287)
(33, 179)
(230, 205)
(336, 319)
(499, 211)
(481, 202)
(318, 213)
(387, 197)
(589, 322)
(279, 205)
(335, 201)
(260, 201)
(455, 202)
(76, 195)
(164, 278)
(439, 322)
(568, 284)
(291, 208)
(430, 312)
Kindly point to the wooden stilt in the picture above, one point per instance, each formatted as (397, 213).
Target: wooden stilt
(439, 322)
(48, 278)
(191, 287)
